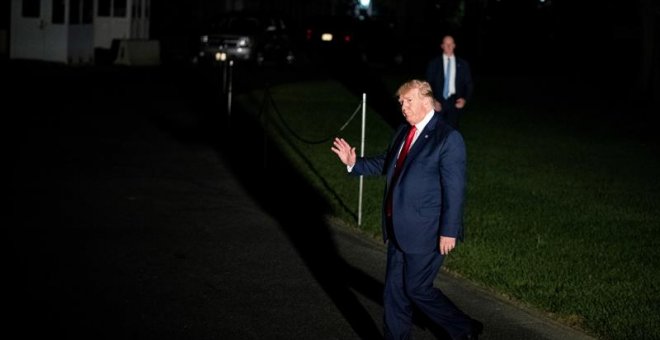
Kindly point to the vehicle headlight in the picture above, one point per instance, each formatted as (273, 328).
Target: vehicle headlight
(326, 36)
(244, 42)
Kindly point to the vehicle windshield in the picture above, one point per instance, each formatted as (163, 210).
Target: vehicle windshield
(237, 25)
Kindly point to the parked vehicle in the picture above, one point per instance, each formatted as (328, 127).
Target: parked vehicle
(370, 40)
(330, 38)
(243, 37)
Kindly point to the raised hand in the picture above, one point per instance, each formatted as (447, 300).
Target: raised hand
(344, 151)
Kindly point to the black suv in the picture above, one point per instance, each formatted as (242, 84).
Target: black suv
(243, 37)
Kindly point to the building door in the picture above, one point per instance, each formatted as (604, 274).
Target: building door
(38, 30)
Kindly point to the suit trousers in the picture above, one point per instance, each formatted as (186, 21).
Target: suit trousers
(409, 282)
(449, 112)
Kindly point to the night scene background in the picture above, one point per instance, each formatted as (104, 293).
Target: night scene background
(191, 198)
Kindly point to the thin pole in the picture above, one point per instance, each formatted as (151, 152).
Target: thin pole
(223, 72)
(362, 138)
(229, 88)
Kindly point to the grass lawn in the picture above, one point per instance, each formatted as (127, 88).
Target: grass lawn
(562, 213)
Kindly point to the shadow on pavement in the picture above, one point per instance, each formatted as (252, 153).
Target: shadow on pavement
(283, 193)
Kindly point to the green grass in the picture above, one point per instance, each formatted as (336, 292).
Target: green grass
(317, 111)
(564, 221)
(558, 217)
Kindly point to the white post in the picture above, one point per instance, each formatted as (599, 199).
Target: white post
(223, 73)
(229, 87)
(362, 138)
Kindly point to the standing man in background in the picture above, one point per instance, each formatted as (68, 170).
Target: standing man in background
(422, 214)
(451, 81)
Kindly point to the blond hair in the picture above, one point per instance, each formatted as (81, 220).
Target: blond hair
(424, 88)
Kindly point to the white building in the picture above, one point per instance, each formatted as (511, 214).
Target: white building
(70, 31)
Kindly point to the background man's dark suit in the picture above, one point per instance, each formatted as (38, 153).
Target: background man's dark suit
(435, 75)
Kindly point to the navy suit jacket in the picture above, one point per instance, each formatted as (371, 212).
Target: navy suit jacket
(435, 75)
(429, 195)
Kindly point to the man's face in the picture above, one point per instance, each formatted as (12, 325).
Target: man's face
(413, 107)
(448, 46)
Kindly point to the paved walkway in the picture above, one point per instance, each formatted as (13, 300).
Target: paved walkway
(131, 220)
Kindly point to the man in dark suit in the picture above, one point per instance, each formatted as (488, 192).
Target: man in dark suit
(425, 167)
(451, 82)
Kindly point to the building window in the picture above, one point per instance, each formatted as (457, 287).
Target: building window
(119, 9)
(135, 13)
(74, 12)
(59, 8)
(104, 8)
(31, 8)
(87, 11)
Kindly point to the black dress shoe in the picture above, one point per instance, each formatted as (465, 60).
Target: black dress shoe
(476, 328)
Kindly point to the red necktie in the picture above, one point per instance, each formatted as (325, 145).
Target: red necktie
(399, 165)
